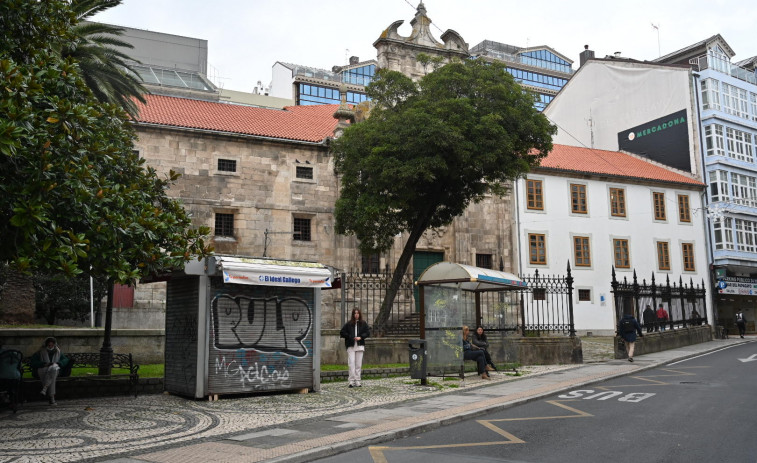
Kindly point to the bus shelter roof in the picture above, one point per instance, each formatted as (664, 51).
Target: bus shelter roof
(470, 278)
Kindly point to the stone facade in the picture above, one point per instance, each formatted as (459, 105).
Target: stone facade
(264, 194)
(399, 53)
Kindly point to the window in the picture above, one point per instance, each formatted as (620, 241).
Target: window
(663, 255)
(739, 144)
(723, 230)
(746, 235)
(735, 101)
(224, 225)
(684, 210)
(584, 295)
(719, 185)
(659, 206)
(484, 260)
(304, 172)
(537, 249)
(713, 139)
(301, 229)
(753, 105)
(578, 198)
(710, 94)
(581, 251)
(534, 195)
(227, 165)
(622, 255)
(617, 202)
(687, 251)
(744, 189)
(370, 263)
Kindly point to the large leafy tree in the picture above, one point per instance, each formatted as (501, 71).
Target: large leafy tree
(104, 65)
(74, 197)
(429, 150)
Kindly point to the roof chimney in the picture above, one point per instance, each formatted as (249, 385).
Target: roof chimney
(585, 56)
(354, 60)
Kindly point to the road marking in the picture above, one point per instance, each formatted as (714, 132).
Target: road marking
(752, 358)
(705, 354)
(378, 456)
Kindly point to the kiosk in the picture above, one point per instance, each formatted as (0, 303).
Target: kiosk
(240, 325)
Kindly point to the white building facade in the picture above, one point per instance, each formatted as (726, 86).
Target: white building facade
(599, 209)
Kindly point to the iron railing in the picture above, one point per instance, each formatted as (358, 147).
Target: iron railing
(545, 306)
(685, 303)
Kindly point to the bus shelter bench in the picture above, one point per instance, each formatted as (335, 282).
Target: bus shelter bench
(122, 363)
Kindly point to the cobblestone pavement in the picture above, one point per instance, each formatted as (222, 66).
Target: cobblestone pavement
(90, 429)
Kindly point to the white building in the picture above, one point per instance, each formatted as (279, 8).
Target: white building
(602, 209)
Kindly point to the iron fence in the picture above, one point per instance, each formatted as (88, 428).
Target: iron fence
(685, 303)
(545, 306)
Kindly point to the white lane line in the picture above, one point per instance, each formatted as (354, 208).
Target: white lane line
(708, 353)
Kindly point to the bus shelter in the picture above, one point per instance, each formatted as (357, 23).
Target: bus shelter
(447, 291)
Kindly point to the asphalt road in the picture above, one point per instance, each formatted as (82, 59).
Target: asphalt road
(695, 410)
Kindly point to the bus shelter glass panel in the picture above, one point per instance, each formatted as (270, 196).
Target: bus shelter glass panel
(445, 307)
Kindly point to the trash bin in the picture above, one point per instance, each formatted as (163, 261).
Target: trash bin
(418, 359)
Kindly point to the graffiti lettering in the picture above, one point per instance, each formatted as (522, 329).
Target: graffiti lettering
(259, 377)
(271, 325)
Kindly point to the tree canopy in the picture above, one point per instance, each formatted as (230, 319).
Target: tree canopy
(430, 149)
(74, 196)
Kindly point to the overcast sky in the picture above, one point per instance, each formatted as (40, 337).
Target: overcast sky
(246, 37)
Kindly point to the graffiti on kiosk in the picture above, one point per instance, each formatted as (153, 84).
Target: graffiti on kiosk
(266, 325)
(257, 376)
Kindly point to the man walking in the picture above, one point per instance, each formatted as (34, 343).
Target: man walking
(741, 322)
(662, 317)
(627, 329)
(649, 318)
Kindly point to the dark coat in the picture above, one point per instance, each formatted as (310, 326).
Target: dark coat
(480, 341)
(630, 337)
(348, 333)
(649, 316)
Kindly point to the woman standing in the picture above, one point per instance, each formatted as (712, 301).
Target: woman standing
(479, 340)
(472, 352)
(354, 333)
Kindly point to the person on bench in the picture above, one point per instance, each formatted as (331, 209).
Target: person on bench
(473, 352)
(48, 362)
(479, 340)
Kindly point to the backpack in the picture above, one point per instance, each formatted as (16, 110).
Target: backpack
(627, 325)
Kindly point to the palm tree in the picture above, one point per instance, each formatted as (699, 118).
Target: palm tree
(105, 68)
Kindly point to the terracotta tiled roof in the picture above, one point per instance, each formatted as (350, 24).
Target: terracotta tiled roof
(303, 123)
(615, 163)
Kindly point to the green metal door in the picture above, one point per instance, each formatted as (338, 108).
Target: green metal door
(421, 261)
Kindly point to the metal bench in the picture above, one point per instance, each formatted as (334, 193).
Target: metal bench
(92, 360)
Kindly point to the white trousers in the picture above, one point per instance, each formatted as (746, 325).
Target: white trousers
(48, 375)
(355, 363)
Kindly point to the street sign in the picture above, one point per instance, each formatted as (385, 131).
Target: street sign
(722, 284)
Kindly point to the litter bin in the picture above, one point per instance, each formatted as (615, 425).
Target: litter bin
(418, 359)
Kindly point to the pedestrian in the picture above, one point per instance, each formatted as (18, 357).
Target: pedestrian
(627, 329)
(662, 317)
(741, 322)
(479, 340)
(354, 332)
(650, 319)
(47, 362)
(696, 319)
(475, 353)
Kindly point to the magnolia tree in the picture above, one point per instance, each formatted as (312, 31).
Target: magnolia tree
(430, 149)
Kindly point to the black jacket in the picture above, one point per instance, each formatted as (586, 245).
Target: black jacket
(348, 333)
(480, 341)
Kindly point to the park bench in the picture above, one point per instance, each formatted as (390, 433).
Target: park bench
(122, 366)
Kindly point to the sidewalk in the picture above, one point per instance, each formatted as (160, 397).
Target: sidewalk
(287, 427)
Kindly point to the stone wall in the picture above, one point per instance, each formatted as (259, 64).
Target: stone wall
(146, 346)
(669, 339)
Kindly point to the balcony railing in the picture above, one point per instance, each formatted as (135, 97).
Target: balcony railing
(723, 65)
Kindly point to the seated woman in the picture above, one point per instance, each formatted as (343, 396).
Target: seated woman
(472, 352)
(479, 340)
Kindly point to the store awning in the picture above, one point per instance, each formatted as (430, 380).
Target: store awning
(269, 272)
(470, 278)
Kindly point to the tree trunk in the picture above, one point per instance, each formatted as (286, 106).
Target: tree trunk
(379, 323)
(17, 300)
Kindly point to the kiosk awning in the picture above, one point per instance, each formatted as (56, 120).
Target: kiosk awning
(250, 271)
(472, 278)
